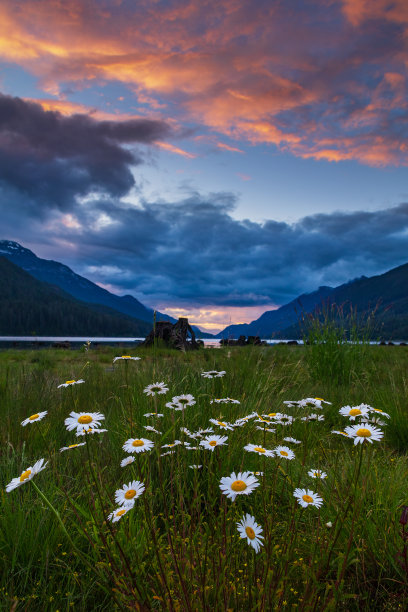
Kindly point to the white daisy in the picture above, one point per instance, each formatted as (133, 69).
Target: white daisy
(195, 467)
(381, 412)
(127, 495)
(364, 431)
(83, 420)
(153, 414)
(65, 448)
(33, 418)
(313, 417)
(126, 461)
(250, 530)
(307, 498)
(354, 411)
(170, 452)
(285, 452)
(341, 433)
(377, 421)
(117, 514)
(172, 444)
(150, 428)
(242, 483)
(136, 445)
(210, 442)
(90, 430)
(225, 400)
(293, 440)
(68, 383)
(157, 388)
(213, 374)
(265, 429)
(317, 474)
(273, 415)
(182, 401)
(127, 358)
(222, 424)
(252, 448)
(27, 475)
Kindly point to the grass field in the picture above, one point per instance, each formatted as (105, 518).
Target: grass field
(178, 547)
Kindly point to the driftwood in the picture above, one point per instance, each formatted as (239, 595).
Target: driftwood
(173, 335)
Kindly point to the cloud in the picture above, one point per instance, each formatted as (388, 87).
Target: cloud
(324, 81)
(47, 159)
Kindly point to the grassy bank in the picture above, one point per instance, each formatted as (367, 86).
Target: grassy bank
(179, 548)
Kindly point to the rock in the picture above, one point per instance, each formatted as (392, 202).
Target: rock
(173, 335)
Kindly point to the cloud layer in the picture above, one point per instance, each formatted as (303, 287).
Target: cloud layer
(324, 81)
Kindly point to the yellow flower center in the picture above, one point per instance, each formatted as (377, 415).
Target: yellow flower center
(181, 401)
(213, 443)
(259, 449)
(33, 417)
(130, 493)
(316, 474)
(307, 498)
(125, 357)
(354, 411)
(85, 419)
(250, 533)
(25, 475)
(238, 485)
(272, 414)
(284, 453)
(363, 432)
(120, 512)
(69, 382)
(73, 445)
(137, 443)
(221, 423)
(320, 399)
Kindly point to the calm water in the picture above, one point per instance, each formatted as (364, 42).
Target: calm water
(208, 343)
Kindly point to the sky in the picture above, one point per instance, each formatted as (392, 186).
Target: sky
(213, 158)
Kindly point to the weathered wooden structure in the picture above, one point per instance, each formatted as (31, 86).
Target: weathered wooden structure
(178, 335)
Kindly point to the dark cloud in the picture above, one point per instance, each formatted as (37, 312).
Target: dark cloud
(53, 159)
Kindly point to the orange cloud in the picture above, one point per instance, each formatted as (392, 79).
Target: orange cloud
(226, 147)
(172, 149)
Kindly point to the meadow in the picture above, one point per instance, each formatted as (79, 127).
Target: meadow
(263, 508)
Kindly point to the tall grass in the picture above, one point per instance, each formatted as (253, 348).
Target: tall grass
(179, 548)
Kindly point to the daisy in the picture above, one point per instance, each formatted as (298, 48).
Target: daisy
(210, 442)
(175, 443)
(150, 428)
(313, 401)
(170, 452)
(265, 429)
(90, 430)
(273, 415)
(379, 411)
(126, 357)
(27, 475)
(313, 417)
(182, 401)
(354, 411)
(127, 495)
(341, 433)
(157, 388)
(213, 374)
(65, 448)
(83, 420)
(195, 467)
(34, 417)
(117, 514)
(225, 400)
(307, 498)
(68, 383)
(242, 483)
(257, 473)
(135, 445)
(222, 424)
(285, 452)
(250, 530)
(364, 431)
(151, 414)
(293, 440)
(252, 448)
(377, 421)
(126, 461)
(317, 474)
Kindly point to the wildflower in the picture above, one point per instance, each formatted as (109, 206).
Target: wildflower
(170, 452)
(252, 448)
(364, 431)
(33, 418)
(175, 443)
(285, 452)
(83, 420)
(341, 433)
(317, 474)
(250, 530)
(377, 421)
(242, 483)
(225, 400)
(257, 473)
(126, 461)
(68, 383)
(151, 414)
(307, 498)
(127, 495)
(354, 411)
(195, 467)
(213, 374)
(182, 401)
(293, 440)
(27, 475)
(65, 448)
(90, 430)
(157, 388)
(126, 357)
(265, 429)
(379, 411)
(222, 424)
(210, 442)
(313, 417)
(150, 428)
(329, 525)
(135, 445)
(118, 513)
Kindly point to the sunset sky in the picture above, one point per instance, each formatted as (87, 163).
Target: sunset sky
(213, 158)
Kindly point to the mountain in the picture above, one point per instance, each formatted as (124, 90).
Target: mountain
(81, 288)
(29, 306)
(386, 293)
